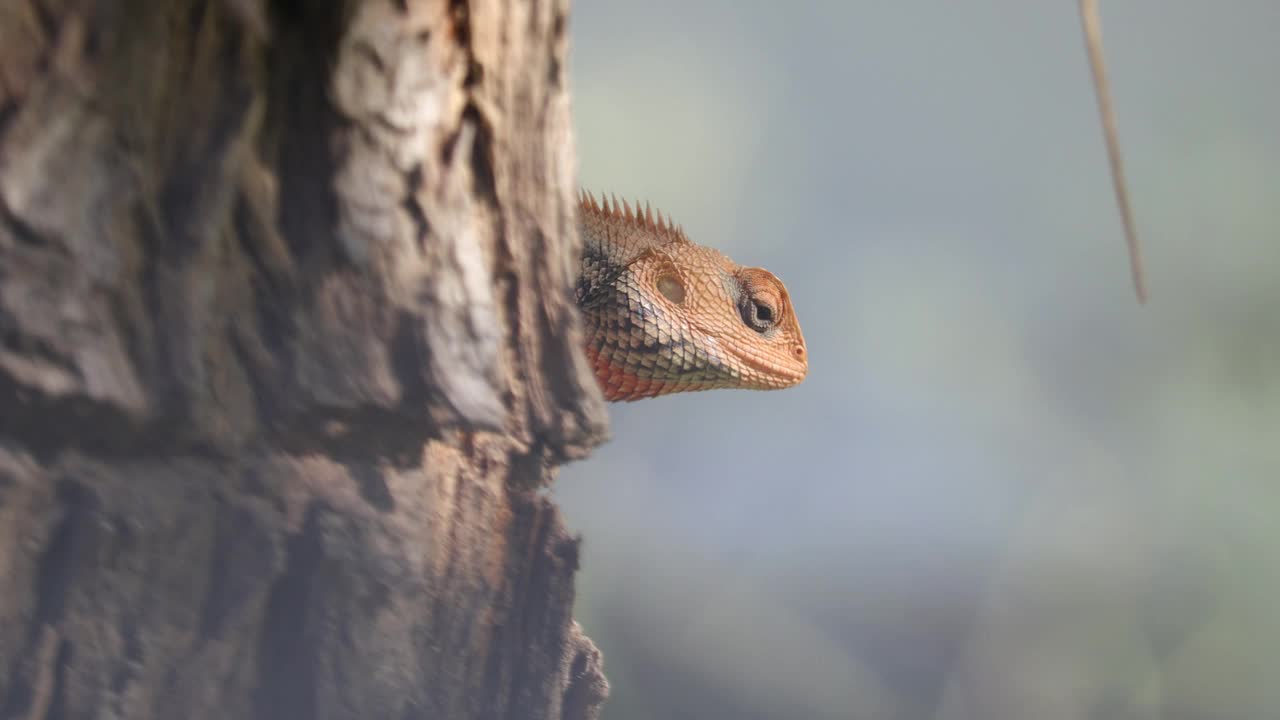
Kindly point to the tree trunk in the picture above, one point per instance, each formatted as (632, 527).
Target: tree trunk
(287, 351)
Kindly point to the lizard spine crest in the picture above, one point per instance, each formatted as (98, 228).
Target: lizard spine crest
(646, 220)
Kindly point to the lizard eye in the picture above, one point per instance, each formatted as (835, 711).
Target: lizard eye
(758, 315)
(761, 300)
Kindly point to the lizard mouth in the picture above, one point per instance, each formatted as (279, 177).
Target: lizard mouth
(774, 374)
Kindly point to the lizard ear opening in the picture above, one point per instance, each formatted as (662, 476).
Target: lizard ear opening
(671, 288)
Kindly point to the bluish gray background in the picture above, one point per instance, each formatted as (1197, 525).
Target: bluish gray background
(1006, 491)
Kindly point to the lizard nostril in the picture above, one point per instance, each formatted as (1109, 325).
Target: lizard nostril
(799, 351)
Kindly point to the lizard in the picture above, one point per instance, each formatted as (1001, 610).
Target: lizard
(665, 315)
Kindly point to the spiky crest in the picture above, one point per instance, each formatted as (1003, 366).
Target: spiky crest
(647, 219)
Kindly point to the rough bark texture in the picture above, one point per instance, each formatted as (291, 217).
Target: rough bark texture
(286, 354)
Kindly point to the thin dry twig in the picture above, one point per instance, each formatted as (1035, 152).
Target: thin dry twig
(1093, 40)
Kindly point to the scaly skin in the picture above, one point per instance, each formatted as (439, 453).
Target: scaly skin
(665, 315)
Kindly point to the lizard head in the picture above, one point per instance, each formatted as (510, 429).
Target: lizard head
(740, 320)
(666, 315)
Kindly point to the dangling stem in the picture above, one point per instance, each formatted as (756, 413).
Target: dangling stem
(1093, 40)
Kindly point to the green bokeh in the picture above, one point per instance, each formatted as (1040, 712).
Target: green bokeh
(1005, 491)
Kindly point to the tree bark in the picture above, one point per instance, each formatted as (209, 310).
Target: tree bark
(287, 352)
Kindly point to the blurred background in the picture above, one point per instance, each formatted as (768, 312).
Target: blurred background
(1006, 491)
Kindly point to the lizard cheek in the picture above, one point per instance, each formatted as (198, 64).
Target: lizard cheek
(671, 289)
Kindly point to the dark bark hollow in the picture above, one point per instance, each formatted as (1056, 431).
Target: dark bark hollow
(287, 351)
